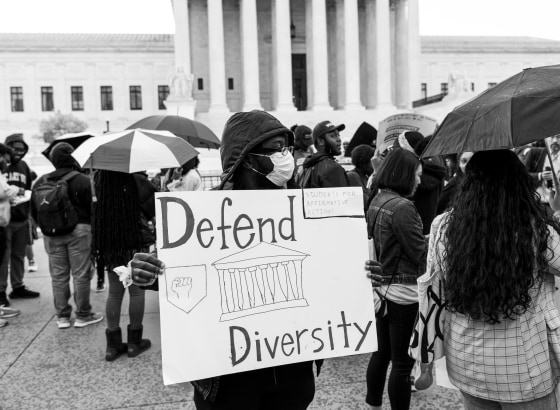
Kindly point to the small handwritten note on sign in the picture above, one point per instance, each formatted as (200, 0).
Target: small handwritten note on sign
(257, 279)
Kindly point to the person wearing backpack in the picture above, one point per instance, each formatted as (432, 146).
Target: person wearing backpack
(321, 170)
(61, 206)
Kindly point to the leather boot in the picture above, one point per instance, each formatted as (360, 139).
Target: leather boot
(115, 346)
(136, 344)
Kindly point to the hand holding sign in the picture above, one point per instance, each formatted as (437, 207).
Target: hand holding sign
(145, 267)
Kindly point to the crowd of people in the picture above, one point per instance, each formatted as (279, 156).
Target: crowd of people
(482, 228)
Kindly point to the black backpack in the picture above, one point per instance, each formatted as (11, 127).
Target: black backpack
(56, 214)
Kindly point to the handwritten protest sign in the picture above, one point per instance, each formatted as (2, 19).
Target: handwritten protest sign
(391, 127)
(257, 279)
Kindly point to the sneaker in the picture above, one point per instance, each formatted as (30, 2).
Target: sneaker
(3, 322)
(90, 320)
(6, 312)
(100, 287)
(4, 300)
(32, 266)
(23, 293)
(63, 322)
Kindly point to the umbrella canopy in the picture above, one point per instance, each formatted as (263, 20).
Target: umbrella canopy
(522, 109)
(75, 139)
(134, 150)
(365, 134)
(194, 132)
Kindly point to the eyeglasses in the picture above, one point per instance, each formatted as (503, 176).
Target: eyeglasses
(268, 152)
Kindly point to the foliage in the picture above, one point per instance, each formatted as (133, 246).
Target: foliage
(59, 124)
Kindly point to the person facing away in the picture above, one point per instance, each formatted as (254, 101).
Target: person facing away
(124, 202)
(321, 170)
(303, 146)
(70, 252)
(501, 332)
(17, 231)
(363, 168)
(254, 156)
(189, 178)
(396, 228)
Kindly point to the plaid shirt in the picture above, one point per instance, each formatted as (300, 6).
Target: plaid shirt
(513, 361)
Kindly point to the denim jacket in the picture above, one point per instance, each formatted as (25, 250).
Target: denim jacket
(396, 228)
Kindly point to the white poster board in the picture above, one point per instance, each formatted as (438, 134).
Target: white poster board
(391, 127)
(256, 279)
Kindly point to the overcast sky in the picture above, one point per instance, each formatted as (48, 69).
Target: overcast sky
(535, 18)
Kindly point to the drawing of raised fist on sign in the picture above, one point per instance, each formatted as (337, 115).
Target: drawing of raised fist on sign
(182, 287)
(185, 286)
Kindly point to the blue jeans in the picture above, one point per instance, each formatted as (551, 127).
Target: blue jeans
(17, 233)
(70, 254)
(475, 403)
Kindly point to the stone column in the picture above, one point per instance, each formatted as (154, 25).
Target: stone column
(401, 50)
(414, 50)
(216, 57)
(282, 49)
(182, 35)
(351, 56)
(371, 47)
(250, 55)
(383, 54)
(317, 56)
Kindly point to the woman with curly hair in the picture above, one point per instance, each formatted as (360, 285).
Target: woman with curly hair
(396, 228)
(491, 254)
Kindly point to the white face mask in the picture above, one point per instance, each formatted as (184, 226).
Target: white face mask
(283, 168)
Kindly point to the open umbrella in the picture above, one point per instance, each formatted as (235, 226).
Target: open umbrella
(522, 109)
(365, 134)
(75, 139)
(194, 132)
(134, 150)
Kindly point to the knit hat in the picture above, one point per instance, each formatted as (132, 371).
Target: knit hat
(409, 140)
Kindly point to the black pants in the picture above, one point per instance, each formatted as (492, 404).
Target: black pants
(279, 388)
(393, 338)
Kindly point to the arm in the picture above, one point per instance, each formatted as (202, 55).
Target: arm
(407, 227)
(334, 176)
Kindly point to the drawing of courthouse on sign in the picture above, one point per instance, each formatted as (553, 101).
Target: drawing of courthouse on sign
(260, 279)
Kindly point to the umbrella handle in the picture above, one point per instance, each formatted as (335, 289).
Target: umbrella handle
(91, 182)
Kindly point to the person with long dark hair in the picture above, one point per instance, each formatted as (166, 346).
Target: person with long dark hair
(492, 253)
(125, 203)
(396, 228)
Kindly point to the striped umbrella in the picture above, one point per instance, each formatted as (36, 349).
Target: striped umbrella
(134, 150)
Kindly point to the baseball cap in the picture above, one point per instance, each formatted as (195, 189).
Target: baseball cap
(325, 126)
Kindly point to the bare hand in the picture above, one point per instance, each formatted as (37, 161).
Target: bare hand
(546, 175)
(145, 267)
(374, 271)
(376, 161)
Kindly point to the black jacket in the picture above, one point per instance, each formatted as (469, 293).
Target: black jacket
(325, 172)
(20, 175)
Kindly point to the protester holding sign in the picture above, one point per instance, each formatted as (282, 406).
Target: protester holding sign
(488, 291)
(255, 156)
(396, 229)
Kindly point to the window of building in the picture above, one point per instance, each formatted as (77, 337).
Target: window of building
(163, 93)
(106, 98)
(77, 96)
(16, 97)
(135, 97)
(424, 90)
(444, 88)
(490, 85)
(230, 83)
(47, 102)
(200, 82)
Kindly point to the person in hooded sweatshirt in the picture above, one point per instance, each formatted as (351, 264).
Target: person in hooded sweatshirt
(431, 183)
(321, 170)
(70, 252)
(255, 155)
(303, 146)
(18, 174)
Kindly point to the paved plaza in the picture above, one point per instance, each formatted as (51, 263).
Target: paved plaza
(42, 367)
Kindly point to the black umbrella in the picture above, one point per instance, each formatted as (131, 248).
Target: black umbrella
(522, 109)
(74, 139)
(365, 134)
(194, 132)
